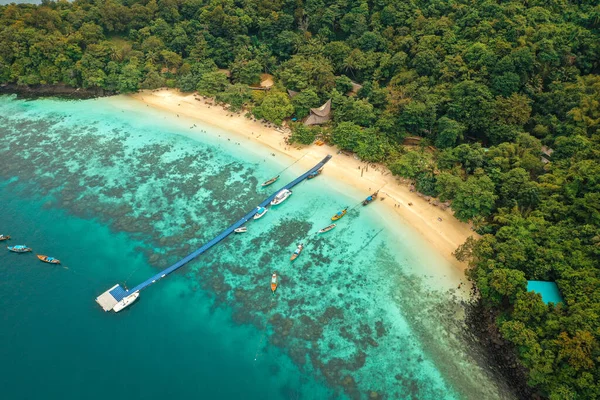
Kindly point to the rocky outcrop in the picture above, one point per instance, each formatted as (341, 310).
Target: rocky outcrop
(501, 355)
(58, 90)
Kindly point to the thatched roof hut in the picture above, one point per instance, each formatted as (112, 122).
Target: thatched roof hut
(266, 80)
(355, 88)
(319, 115)
(547, 150)
(546, 154)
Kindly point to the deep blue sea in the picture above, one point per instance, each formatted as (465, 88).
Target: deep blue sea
(118, 191)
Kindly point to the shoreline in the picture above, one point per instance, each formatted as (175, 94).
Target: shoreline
(444, 236)
(54, 90)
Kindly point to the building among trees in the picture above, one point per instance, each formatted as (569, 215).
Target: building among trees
(319, 116)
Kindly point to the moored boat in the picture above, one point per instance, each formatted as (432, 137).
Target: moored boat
(340, 214)
(370, 198)
(241, 229)
(274, 282)
(126, 301)
(49, 260)
(315, 173)
(2, 237)
(297, 252)
(281, 197)
(260, 212)
(271, 181)
(327, 228)
(20, 248)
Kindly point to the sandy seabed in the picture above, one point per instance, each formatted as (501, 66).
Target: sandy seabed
(444, 236)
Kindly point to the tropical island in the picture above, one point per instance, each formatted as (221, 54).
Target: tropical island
(491, 107)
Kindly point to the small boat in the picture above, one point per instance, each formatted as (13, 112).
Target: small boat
(297, 252)
(370, 198)
(274, 283)
(126, 301)
(260, 212)
(49, 260)
(241, 229)
(327, 228)
(2, 237)
(271, 181)
(281, 196)
(315, 173)
(19, 248)
(340, 214)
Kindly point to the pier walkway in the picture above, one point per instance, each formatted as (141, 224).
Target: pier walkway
(112, 296)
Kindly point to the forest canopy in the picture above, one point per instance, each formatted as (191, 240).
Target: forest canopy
(504, 95)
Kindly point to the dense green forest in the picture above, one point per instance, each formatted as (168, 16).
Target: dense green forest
(485, 84)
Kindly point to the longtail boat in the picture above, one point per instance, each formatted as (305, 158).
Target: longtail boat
(327, 228)
(315, 174)
(297, 252)
(2, 237)
(340, 214)
(20, 248)
(370, 198)
(274, 283)
(271, 181)
(49, 260)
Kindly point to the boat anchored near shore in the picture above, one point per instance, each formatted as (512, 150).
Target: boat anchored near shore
(315, 174)
(281, 197)
(297, 252)
(4, 237)
(327, 228)
(339, 214)
(126, 301)
(370, 198)
(271, 181)
(274, 282)
(260, 212)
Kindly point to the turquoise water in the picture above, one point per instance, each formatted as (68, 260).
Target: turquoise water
(548, 290)
(118, 191)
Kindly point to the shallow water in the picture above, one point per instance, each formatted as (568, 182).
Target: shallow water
(117, 191)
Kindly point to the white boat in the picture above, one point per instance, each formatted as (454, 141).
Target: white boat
(241, 229)
(281, 196)
(327, 228)
(260, 212)
(126, 301)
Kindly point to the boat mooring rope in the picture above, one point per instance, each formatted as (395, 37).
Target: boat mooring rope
(283, 170)
(130, 275)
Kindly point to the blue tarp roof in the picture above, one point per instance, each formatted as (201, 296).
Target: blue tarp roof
(548, 290)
